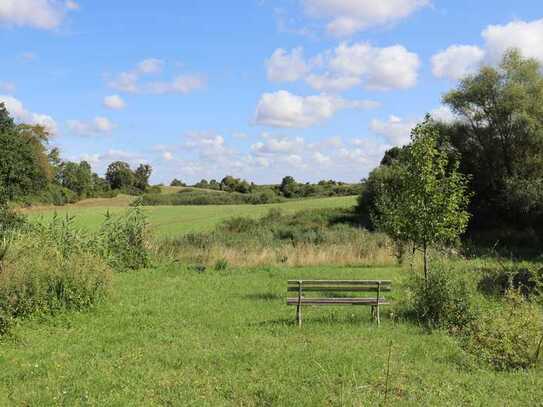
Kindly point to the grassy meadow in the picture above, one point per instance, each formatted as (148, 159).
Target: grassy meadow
(174, 337)
(207, 323)
(174, 220)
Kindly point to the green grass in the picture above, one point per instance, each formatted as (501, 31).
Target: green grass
(174, 337)
(175, 220)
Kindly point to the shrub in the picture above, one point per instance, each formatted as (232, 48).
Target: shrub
(48, 268)
(122, 240)
(221, 265)
(445, 301)
(528, 279)
(507, 337)
(198, 197)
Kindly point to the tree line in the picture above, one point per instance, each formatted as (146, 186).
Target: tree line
(30, 171)
(496, 142)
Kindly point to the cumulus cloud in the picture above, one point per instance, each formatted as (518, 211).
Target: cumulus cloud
(382, 68)
(97, 126)
(41, 14)
(131, 81)
(181, 84)
(114, 102)
(347, 17)
(347, 66)
(272, 145)
(18, 111)
(395, 130)
(524, 35)
(457, 61)
(167, 156)
(283, 66)
(284, 109)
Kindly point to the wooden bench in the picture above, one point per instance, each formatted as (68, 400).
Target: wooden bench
(338, 286)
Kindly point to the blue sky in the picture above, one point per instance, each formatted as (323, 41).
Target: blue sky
(258, 89)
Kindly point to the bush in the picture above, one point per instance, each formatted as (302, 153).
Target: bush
(195, 197)
(122, 240)
(48, 268)
(446, 301)
(527, 279)
(507, 337)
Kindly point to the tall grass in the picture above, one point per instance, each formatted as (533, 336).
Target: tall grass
(48, 268)
(307, 238)
(53, 266)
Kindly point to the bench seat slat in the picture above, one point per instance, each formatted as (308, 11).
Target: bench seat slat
(337, 301)
(340, 282)
(338, 288)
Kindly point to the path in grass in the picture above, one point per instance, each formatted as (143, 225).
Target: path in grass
(176, 337)
(174, 220)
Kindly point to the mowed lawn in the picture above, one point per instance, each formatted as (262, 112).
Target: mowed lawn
(175, 220)
(174, 337)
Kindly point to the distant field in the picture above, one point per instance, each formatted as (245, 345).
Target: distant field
(174, 220)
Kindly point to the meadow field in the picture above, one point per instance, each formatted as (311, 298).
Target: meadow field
(171, 336)
(169, 221)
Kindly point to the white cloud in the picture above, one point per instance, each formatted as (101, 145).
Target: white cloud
(167, 156)
(525, 35)
(17, 110)
(286, 67)
(208, 145)
(8, 87)
(350, 16)
(114, 102)
(443, 114)
(273, 145)
(150, 66)
(28, 56)
(321, 158)
(382, 68)
(457, 61)
(100, 125)
(331, 83)
(182, 84)
(284, 109)
(42, 14)
(395, 130)
(347, 66)
(131, 81)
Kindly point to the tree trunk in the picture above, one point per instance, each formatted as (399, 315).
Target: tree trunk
(425, 248)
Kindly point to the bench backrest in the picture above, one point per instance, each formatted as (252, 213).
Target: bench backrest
(339, 285)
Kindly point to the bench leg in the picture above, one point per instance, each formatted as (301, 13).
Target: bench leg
(378, 316)
(299, 315)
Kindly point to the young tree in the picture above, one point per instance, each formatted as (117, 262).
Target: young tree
(288, 186)
(428, 201)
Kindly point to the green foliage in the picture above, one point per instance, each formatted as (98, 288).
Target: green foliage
(499, 137)
(426, 204)
(119, 175)
(509, 336)
(527, 279)
(141, 176)
(221, 265)
(177, 183)
(192, 197)
(122, 240)
(444, 301)
(49, 268)
(24, 167)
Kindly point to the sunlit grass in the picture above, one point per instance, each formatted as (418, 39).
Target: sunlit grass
(173, 336)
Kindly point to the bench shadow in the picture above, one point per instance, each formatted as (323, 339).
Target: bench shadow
(359, 319)
(263, 297)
